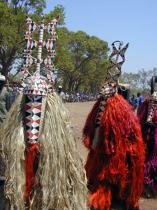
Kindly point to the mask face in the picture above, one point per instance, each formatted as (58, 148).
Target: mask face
(108, 90)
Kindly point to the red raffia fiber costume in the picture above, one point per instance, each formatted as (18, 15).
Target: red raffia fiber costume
(148, 118)
(115, 166)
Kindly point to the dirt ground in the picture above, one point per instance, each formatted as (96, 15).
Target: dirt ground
(78, 113)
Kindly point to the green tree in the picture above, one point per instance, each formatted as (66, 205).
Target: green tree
(81, 59)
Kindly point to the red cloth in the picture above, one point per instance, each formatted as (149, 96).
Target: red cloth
(117, 162)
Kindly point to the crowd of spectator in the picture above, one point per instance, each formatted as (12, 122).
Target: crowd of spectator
(9, 92)
(76, 97)
(79, 97)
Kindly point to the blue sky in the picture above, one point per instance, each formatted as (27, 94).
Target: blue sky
(133, 21)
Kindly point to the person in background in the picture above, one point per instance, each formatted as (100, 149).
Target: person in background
(133, 102)
(124, 90)
(147, 115)
(5, 98)
(3, 112)
(77, 97)
(67, 97)
(61, 93)
(140, 100)
(6, 101)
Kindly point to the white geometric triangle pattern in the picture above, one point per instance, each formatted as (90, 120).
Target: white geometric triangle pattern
(35, 118)
(34, 131)
(33, 107)
(35, 125)
(35, 111)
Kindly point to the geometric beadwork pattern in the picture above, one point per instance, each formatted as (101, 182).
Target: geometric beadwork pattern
(29, 60)
(152, 109)
(108, 90)
(50, 27)
(30, 26)
(32, 117)
(49, 44)
(46, 64)
(36, 85)
(116, 59)
(30, 45)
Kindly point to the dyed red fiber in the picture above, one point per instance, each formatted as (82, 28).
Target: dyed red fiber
(31, 152)
(115, 168)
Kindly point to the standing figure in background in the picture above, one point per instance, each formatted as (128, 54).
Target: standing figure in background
(6, 101)
(6, 95)
(78, 97)
(115, 162)
(3, 96)
(3, 112)
(140, 100)
(124, 90)
(61, 94)
(148, 119)
(133, 101)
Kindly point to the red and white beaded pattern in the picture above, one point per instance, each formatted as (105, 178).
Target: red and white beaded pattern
(30, 26)
(39, 87)
(32, 119)
(36, 85)
(30, 45)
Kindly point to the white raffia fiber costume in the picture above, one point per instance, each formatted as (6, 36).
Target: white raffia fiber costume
(61, 182)
(43, 168)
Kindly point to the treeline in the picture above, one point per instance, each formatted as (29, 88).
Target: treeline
(81, 59)
(139, 81)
